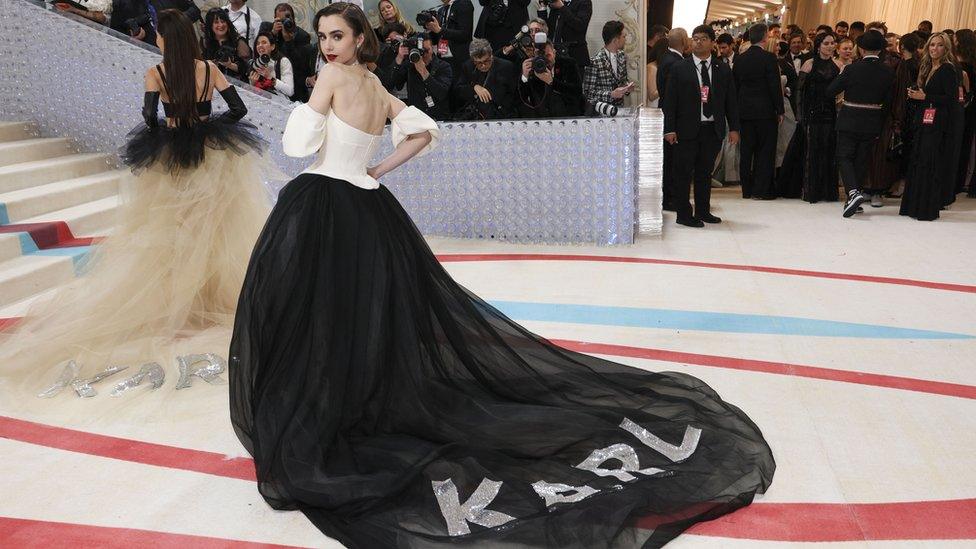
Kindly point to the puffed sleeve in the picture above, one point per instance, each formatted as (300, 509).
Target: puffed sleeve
(304, 132)
(412, 121)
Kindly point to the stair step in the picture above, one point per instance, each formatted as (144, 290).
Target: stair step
(93, 218)
(15, 131)
(41, 172)
(38, 148)
(10, 246)
(23, 277)
(31, 202)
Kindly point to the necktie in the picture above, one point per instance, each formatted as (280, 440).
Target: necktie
(706, 81)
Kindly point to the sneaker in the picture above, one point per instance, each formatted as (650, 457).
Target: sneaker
(854, 199)
(877, 201)
(716, 184)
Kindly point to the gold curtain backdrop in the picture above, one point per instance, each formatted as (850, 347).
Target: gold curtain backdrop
(902, 16)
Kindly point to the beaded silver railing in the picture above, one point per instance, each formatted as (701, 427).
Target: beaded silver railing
(551, 181)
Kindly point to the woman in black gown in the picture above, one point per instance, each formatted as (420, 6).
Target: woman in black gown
(817, 116)
(966, 41)
(932, 168)
(397, 409)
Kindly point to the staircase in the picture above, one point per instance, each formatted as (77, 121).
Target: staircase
(54, 203)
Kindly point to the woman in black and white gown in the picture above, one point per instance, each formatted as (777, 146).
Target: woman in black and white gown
(397, 409)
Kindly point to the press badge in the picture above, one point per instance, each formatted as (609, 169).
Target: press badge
(704, 94)
(430, 101)
(928, 117)
(442, 48)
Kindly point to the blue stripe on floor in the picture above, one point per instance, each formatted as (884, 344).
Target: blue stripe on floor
(27, 244)
(4, 218)
(78, 254)
(709, 322)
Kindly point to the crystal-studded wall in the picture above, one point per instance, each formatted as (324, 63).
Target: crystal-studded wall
(553, 181)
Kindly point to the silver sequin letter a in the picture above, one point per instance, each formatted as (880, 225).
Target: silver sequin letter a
(557, 493)
(458, 515)
(621, 452)
(675, 453)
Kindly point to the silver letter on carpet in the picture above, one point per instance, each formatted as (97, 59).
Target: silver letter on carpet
(625, 454)
(556, 493)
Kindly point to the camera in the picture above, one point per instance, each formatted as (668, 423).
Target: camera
(517, 39)
(288, 24)
(137, 23)
(261, 61)
(539, 62)
(416, 49)
(604, 109)
(226, 53)
(426, 16)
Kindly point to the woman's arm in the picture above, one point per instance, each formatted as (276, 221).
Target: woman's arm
(407, 149)
(652, 92)
(286, 84)
(150, 104)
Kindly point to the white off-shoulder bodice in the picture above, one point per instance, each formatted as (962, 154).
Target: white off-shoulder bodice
(343, 151)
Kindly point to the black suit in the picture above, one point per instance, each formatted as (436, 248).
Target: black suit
(760, 103)
(792, 77)
(500, 33)
(457, 26)
(664, 65)
(567, 27)
(865, 82)
(563, 98)
(500, 81)
(699, 142)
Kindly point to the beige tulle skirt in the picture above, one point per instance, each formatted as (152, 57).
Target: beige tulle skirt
(164, 283)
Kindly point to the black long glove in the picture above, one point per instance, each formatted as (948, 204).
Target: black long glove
(150, 106)
(235, 106)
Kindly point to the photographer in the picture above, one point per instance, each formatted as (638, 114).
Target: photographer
(392, 35)
(289, 38)
(428, 78)
(550, 85)
(450, 31)
(245, 20)
(98, 11)
(568, 20)
(221, 44)
(605, 80)
(132, 17)
(486, 84)
(501, 20)
(514, 51)
(187, 7)
(269, 70)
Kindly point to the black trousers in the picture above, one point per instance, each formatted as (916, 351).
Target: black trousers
(693, 164)
(667, 175)
(757, 157)
(853, 156)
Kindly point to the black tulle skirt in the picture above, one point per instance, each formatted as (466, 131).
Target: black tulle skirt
(185, 147)
(820, 176)
(397, 409)
(930, 170)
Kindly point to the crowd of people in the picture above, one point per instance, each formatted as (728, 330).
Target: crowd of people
(794, 114)
(507, 64)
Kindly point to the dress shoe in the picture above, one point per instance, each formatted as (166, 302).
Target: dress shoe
(746, 196)
(709, 218)
(764, 198)
(690, 222)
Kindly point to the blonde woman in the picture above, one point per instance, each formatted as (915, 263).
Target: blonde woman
(390, 13)
(931, 169)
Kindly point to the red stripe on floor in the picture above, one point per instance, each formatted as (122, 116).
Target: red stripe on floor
(952, 519)
(825, 522)
(124, 449)
(780, 368)
(456, 258)
(16, 532)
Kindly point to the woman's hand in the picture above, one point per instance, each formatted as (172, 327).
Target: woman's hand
(916, 94)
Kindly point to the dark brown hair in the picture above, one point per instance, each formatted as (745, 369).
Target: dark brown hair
(354, 17)
(180, 65)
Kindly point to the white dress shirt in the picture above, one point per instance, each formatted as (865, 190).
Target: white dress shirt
(708, 67)
(239, 20)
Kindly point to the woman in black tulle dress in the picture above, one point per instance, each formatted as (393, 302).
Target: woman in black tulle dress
(397, 409)
(932, 168)
(817, 116)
